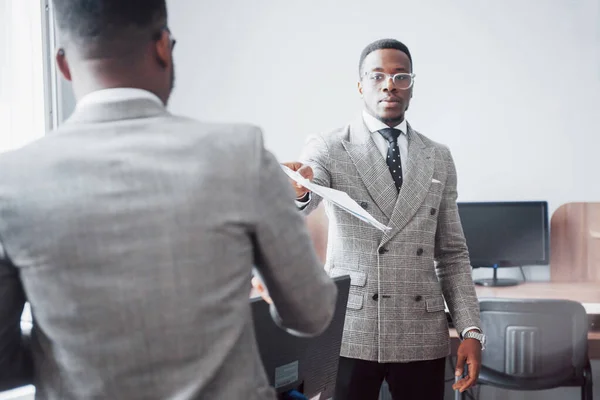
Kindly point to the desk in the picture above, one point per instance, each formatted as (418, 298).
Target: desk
(586, 293)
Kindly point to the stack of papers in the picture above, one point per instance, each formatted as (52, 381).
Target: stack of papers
(337, 197)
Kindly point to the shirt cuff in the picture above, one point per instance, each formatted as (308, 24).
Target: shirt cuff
(303, 201)
(470, 328)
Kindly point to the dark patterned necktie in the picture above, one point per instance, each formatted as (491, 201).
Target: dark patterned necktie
(393, 154)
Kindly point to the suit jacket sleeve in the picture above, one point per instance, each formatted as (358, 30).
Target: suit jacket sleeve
(316, 154)
(452, 256)
(16, 366)
(303, 295)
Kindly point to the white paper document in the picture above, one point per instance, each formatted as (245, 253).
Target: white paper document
(339, 198)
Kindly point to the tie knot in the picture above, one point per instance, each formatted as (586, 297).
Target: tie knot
(390, 134)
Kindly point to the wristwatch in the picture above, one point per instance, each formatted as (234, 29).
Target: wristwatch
(477, 336)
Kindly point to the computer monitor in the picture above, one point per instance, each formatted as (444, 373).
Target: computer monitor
(308, 365)
(505, 234)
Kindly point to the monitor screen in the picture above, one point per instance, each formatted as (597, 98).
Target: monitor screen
(506, 234)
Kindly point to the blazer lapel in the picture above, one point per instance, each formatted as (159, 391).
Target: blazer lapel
(371, 167)
(415, 187)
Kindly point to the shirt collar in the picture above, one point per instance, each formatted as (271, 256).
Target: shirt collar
(374, 125)
(116, 94)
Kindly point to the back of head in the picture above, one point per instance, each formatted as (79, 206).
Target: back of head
(105, 28)
(115, 43)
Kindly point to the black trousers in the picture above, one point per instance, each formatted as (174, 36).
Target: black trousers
(419, 380)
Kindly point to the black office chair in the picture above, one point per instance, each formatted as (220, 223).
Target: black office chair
(535, 345)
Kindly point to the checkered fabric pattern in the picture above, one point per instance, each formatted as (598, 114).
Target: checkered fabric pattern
(400, 279)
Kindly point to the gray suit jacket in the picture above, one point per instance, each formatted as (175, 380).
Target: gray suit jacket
(133, 234)
(396, 305)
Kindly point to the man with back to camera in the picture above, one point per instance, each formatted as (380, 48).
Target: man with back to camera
(133, 232)
(396, 327)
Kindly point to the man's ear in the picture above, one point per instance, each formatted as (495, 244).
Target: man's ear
(360, 88)
(163, 50)
(63, 64)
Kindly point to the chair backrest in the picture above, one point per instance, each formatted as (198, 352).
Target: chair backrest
(535, 339)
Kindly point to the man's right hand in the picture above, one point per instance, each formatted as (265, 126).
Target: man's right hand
(303, 170)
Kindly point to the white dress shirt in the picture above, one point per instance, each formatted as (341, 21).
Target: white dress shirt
(117, 94)
(374, 126)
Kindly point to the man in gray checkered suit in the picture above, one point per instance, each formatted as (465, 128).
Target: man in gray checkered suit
(396, 327)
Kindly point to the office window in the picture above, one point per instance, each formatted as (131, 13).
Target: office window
(23, 115)
(22, 91)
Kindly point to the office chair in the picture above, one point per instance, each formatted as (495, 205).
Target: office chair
(535, 345)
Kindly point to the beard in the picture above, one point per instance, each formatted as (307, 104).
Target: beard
(390, 121)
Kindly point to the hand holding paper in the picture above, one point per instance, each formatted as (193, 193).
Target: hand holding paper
(305, 171)
(339, 198)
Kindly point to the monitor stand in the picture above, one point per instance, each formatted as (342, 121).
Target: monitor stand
(497, 282)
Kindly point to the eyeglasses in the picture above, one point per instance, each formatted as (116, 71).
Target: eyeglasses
(402, 81)
(158, 36)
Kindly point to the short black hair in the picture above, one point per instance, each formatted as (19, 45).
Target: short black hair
(109, 21)
(382, 44)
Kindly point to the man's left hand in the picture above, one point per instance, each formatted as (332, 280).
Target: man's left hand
(469, 353)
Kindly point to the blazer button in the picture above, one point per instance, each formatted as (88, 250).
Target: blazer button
(433, 211)
(382, 250)
(418, 297)
(375, 297)
(364, 205)
(420, 252)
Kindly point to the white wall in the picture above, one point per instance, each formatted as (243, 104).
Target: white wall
(510, 86)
